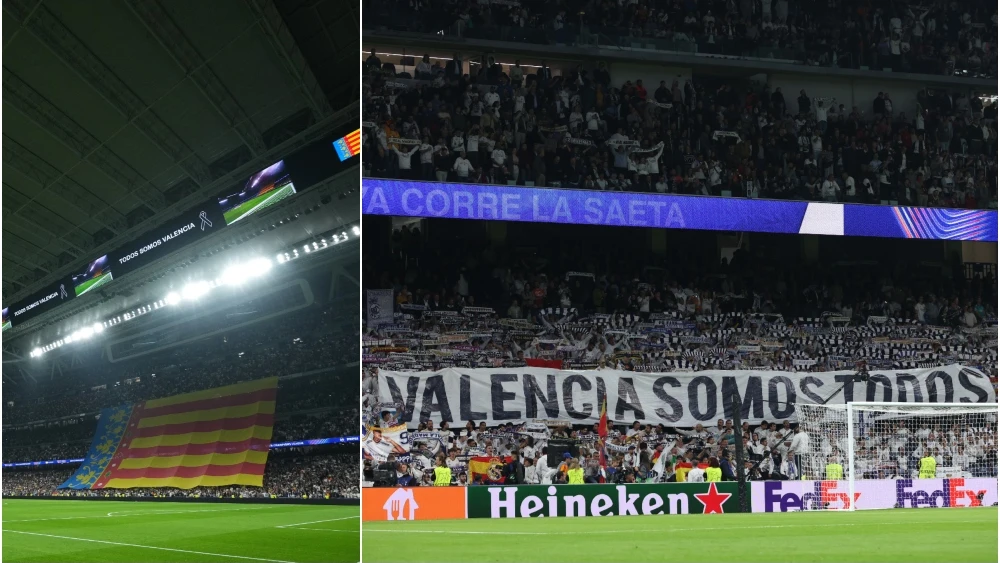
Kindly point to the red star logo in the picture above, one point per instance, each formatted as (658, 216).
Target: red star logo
(713, 500)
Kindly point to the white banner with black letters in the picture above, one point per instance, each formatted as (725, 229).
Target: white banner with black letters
(498, 395)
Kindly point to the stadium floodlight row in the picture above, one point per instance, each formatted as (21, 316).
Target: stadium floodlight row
(234, 275)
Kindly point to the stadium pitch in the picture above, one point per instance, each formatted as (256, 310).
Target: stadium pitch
(55, 530)
(881, 536)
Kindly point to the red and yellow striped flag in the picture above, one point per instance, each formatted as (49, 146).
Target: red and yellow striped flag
(353, 140)
(207, 438)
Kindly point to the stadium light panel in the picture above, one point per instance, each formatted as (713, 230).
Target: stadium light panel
(238, 274)
(195, 290)
(234, 275)
(260, 266)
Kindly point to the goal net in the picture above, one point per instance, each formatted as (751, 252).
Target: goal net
(899, 455)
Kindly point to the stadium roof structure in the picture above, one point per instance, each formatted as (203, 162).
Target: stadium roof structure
(119, 116)
(116, 113)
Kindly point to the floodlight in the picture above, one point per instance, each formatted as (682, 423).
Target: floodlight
(233, 275)
(259, 266)
(195, 290)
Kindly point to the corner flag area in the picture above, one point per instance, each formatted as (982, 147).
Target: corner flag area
(881, 536)
(102, 531)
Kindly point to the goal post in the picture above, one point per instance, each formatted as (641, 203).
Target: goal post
(900, 455)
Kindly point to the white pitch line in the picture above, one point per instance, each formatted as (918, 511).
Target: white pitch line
(317, 522)
(150, 547)
(324, 530)
(501, 533)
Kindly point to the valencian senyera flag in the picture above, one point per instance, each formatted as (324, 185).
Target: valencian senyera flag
(203, 439)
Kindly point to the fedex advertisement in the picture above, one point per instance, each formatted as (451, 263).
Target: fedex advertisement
(792, 496)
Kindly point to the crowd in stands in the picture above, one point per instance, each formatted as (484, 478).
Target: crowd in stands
(580, 130)
(647, 453)
(600, 303)
(589, 300)
(315, 473)
(936, 37)
(300, 342)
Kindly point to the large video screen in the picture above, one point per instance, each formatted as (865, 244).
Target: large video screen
(97, 274)
(262, 190)
(6, 319)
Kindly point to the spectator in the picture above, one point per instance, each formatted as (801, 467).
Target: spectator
(554, 133)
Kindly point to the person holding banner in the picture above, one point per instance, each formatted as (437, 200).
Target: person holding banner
(379, 446)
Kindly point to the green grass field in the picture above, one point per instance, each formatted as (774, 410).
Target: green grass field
(93, 284)
(262, 201)
(99, 531)
(883, 536)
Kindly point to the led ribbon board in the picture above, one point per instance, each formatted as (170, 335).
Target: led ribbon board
(621, 209)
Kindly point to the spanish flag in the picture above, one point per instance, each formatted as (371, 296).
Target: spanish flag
(490, 467)
(203, 439)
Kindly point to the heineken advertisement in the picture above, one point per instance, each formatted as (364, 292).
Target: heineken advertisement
(525, 501)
